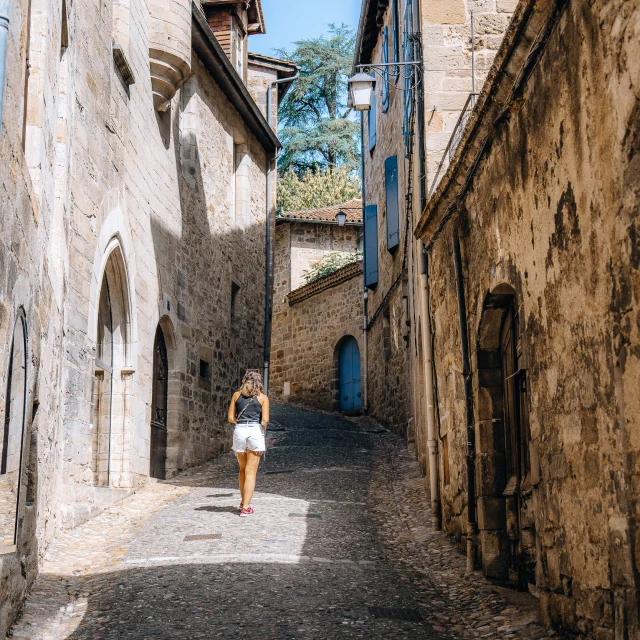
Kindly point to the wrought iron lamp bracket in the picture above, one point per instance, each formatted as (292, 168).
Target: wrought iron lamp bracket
(395, 72)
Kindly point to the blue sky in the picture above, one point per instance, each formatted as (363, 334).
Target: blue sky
(291, 20)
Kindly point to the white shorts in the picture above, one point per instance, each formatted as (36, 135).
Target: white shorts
(248, 437)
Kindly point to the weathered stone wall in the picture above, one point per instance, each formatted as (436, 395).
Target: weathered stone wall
(549, 224)
(186, 233)
(109, 185)
(304, 362)
(305, 355)
(30, 284)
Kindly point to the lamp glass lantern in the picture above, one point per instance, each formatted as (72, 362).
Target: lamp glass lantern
(341, 218)
(360, 88)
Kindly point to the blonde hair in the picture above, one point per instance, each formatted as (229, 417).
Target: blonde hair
(251, 384)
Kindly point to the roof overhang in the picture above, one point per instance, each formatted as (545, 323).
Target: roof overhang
(284, 69)
(208, 49)
(312, 221)
(255, 15)
(371, 21)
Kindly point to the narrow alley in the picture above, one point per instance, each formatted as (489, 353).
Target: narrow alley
(339, 539)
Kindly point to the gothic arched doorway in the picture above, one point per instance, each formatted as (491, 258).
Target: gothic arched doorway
(349, 375)
(13, 435)
(160, 390)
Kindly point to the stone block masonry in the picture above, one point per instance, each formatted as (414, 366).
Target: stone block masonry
(132, 249)
(311, 326)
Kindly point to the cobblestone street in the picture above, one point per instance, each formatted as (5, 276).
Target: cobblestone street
(341, 526)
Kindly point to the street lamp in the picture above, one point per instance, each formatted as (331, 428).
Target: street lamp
(341, 218)
(360, 88)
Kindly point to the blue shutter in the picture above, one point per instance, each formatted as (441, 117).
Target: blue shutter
(372, 120)
(370, 245)
(385, 71)
(391, 188)
(408, 72)
(396, 36)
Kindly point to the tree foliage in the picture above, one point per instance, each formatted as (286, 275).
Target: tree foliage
(315, 129)
(330, 263)
(316, 189)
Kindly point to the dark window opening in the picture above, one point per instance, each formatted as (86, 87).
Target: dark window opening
(235, 290)
(205, 370)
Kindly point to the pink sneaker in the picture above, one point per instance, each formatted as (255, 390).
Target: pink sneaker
(246, 512)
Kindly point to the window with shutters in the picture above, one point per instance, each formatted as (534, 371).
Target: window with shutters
(370, 246)
(385, 71)
(372, 121)
(393, 215)
(396, 37)
(408, 57)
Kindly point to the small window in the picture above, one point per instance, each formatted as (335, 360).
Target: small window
(235, 290)
(445, 460)
(205, 370)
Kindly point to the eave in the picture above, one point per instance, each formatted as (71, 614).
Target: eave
(208, 49)
(371, 21)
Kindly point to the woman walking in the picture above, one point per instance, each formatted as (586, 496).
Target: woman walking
(249, 411)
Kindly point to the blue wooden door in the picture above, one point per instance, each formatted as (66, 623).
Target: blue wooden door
(349, 375)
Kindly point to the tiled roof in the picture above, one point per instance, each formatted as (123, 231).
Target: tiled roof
(322, 284)
(353, 209)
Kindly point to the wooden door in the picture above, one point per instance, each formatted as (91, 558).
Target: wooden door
(159, 407)
(349, 375)
(517, 492)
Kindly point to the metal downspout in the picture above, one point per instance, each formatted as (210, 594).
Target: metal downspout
(468, 397)
(4, 32)
(267, 286)
(432, 442)
(365, 295)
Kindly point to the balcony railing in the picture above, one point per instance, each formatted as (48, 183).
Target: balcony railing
(454, 140)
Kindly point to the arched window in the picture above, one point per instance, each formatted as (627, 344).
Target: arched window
(13, 435)
(112, 347)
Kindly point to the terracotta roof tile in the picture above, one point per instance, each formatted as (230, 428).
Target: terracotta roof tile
(353, 209)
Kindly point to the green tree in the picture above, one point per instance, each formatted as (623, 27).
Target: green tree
(315, 129)
(315, 189)
(329, 263)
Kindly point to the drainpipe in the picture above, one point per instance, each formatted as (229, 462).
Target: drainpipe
(468, 397)
(4, 32)
(365, 399)
(432, 442)
(271, 160)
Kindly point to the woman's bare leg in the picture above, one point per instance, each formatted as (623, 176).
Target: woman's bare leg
(242, 461)
(250, 472)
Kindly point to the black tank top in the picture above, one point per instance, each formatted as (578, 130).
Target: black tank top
(253, 412)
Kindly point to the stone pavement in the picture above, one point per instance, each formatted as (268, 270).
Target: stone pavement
(340, 528)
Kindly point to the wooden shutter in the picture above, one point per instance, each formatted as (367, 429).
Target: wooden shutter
(372, 121)
(408, 57)
(396, 36)
(393, 217)
(370, 245)
(385, 71)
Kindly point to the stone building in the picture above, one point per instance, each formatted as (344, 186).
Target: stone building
(520, 286)
(536, 221)
(317, 346)
(405, 136)
(135, 170)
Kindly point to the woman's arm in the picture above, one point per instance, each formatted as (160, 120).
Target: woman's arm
(265, 411)
(231, 416)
